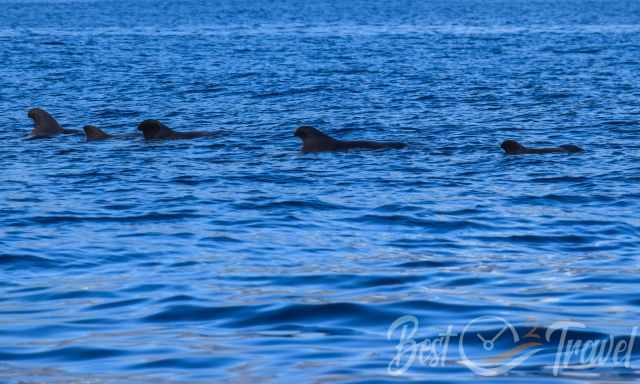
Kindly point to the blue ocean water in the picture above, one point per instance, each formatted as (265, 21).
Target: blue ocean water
(239, 258)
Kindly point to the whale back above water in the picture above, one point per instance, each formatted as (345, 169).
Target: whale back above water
(94, 133)
(154, 129)
(512, 147)
(314, 140)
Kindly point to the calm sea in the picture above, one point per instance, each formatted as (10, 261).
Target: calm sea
(239, 259)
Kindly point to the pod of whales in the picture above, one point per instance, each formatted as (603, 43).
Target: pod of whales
(512, 147)
(315, 141)
(151, 129)
(44, 125)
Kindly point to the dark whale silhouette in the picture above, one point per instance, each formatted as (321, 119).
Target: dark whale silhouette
(154, 129)
(314, 140)
(94, 133)
(512, 147)
(44, 125)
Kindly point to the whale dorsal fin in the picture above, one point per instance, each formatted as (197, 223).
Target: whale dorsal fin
(43, 123)
(94, 133)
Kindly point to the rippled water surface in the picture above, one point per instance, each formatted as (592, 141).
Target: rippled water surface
(239, 258)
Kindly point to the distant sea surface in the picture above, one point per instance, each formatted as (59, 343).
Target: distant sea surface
(238, 259)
